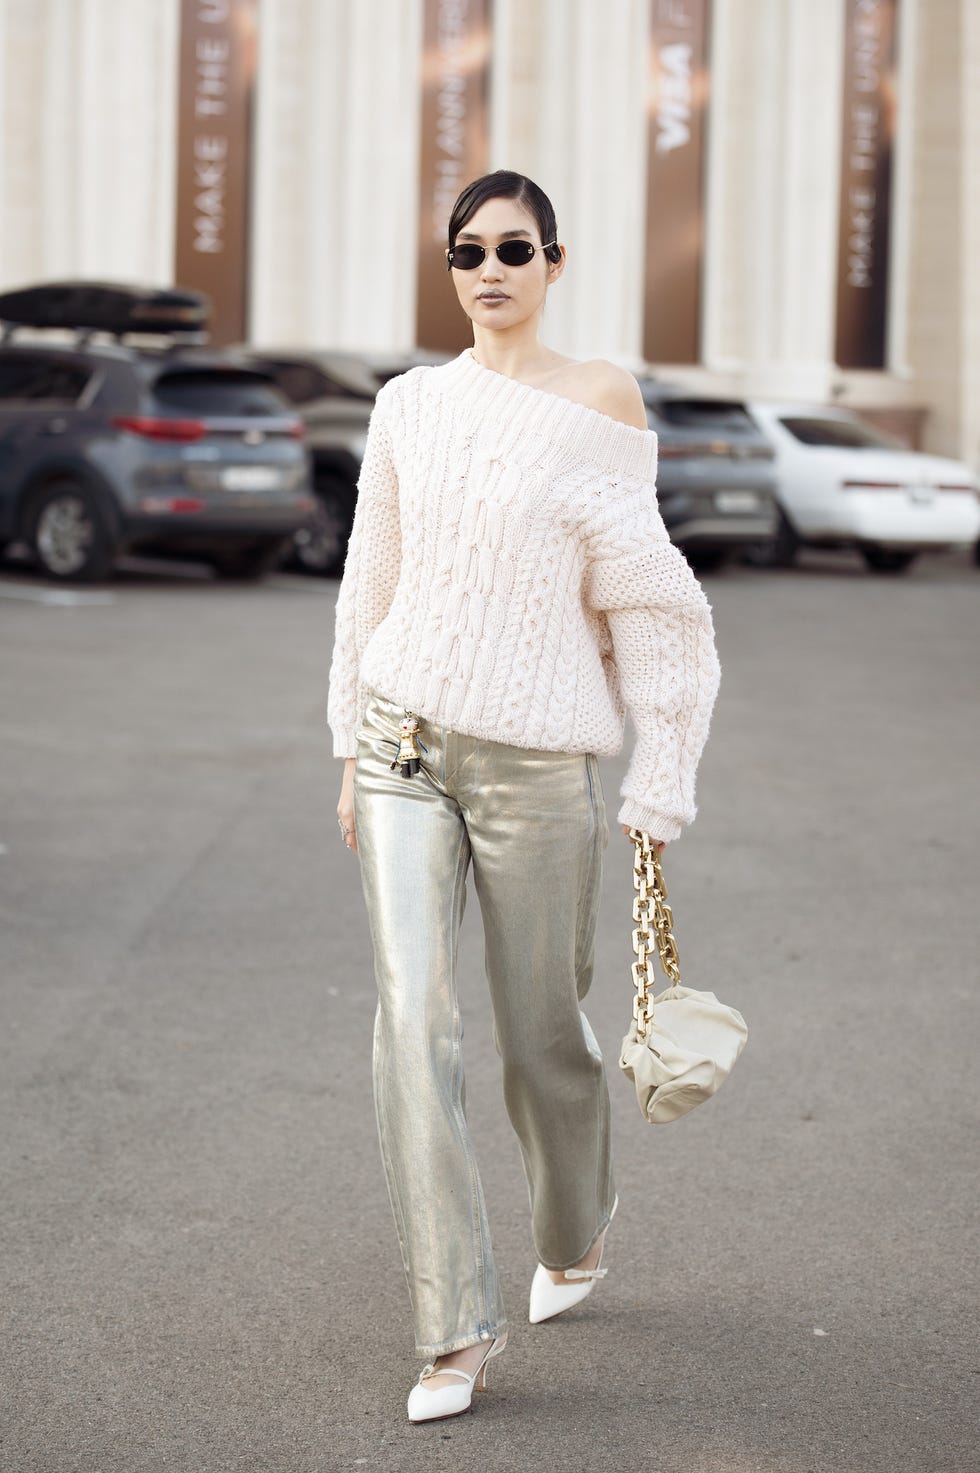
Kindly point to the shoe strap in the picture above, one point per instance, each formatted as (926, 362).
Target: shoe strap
(428, 1371)
(496, 1346)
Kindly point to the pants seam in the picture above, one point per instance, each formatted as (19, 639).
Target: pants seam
(480, 1246)
(601, 1091)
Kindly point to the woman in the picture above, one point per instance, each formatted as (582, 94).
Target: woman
(509, 593)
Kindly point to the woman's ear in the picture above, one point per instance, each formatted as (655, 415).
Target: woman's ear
(556, 261)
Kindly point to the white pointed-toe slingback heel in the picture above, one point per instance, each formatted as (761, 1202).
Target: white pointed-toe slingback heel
(426, 1403)
(549, 1298)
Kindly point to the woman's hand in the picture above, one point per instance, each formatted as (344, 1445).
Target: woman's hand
(345, 808)
(658, 844)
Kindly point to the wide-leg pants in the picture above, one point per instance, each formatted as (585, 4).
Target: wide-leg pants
(533, 824)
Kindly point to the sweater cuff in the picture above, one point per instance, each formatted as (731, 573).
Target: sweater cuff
(649, 821)
(345, 743)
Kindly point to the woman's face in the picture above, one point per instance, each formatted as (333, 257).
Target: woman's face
(495, 295)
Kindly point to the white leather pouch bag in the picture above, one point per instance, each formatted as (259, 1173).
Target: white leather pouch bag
(682, 1045)
(685, 1055)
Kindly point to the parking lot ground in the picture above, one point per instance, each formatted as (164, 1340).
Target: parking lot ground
(199, 1271)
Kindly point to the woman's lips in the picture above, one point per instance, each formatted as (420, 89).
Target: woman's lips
(495, 297)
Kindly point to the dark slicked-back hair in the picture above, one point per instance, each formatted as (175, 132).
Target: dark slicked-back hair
(505, 184)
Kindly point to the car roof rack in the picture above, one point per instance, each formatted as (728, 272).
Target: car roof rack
(85, 308)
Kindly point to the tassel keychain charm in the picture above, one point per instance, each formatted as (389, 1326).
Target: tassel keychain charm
(408, 746)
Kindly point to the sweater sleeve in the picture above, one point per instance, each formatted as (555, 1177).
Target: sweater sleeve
(371, 572)
(664, 650)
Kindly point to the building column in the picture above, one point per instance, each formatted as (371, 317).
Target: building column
(771, 247)
(968, 429)
(335, 173)
(943, 308)
(88, 139)
(573, 75)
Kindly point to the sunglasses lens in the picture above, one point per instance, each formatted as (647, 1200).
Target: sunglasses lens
(515, 252)
(467, 257)
(510, 252)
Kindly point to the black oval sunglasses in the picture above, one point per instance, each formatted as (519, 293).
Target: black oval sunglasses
(511, 252)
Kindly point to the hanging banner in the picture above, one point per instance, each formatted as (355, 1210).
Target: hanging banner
(217, 73)
(677, 105)
(865, 183)
(455, 148)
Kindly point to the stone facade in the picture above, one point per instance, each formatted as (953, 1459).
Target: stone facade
(87, 160)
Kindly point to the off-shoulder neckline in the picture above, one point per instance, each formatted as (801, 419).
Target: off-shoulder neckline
(588, 409)
(523, 420)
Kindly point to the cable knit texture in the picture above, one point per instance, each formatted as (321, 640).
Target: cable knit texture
(509, 576)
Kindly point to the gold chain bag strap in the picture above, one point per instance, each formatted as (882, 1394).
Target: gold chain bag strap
(681, 1045)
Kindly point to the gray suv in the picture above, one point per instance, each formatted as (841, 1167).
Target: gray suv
(716, 481)
(334, 391)
(334, 394)
(107, 447)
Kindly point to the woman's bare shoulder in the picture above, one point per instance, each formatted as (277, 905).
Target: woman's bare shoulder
(617, 393)
(605, 386)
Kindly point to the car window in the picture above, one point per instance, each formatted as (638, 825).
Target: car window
(219, 391)
(41, 380)
(849, 434)
(301, 382)
(703, 414)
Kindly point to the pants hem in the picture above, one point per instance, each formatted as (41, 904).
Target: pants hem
(558, 1268)
(446, 1347)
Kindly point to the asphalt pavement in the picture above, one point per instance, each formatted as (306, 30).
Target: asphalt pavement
(199, 1273)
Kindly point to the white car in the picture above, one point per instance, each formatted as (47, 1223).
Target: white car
(843, 483)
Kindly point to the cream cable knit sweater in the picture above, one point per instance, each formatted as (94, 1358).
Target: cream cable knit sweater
(509, 576)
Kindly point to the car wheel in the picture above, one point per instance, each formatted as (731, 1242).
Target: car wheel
(248, 562)
(779, 551)
(69, 535)
(887, 559)
(320, 544)
(708, 560)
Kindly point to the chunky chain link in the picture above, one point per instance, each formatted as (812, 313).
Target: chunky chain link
(653, 924)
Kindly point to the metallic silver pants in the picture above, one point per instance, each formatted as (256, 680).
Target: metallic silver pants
(533, 824)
